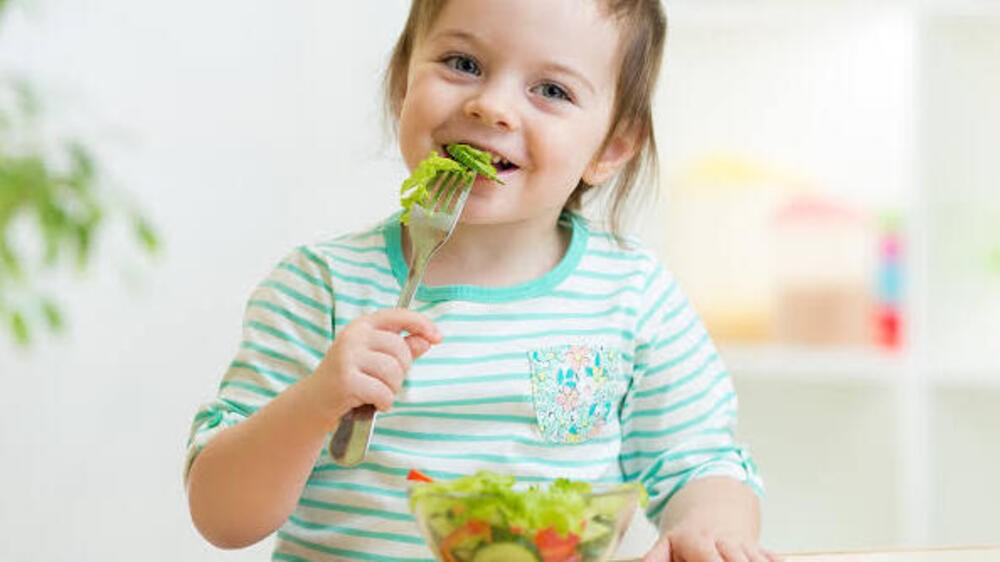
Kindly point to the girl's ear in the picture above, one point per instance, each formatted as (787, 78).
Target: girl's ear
(617, 152)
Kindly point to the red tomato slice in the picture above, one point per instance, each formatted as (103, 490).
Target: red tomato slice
(555, 548)
(416, 476)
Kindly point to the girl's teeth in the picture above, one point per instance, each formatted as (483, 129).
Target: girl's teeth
(500, 160)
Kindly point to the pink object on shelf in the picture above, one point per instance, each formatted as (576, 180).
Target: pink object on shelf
(824, 252)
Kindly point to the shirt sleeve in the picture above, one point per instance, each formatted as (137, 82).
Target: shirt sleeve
(287, 328)
(679, 414)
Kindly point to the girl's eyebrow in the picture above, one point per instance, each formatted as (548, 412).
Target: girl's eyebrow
(550, 67)
(455, 34)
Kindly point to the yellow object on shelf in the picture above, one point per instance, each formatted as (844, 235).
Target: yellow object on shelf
(766, 256)
(718, 241)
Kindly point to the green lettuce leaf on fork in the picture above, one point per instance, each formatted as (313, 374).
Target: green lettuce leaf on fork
(465, 160)
(476, 160)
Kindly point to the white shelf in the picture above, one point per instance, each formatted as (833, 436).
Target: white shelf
(834, 365)
(973, 379)
(820, 365)
(910, 77)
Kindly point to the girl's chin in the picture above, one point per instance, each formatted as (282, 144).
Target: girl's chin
(479, 212)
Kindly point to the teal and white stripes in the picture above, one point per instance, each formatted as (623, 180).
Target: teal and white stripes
(678, 421)
(469, 404)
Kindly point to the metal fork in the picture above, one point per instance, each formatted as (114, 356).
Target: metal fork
(429, 230)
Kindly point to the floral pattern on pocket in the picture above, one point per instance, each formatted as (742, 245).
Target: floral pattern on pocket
(575, 389)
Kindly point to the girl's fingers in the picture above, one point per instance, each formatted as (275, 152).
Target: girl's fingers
(758, 554)
(392, 345)
(771, 556)
(703, 551)
(659, 553)
(397, 320)
(373, 391)
(386, 368)
(418, 345)
(730, 551)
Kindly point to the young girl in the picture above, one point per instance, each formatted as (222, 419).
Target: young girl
(559, 91)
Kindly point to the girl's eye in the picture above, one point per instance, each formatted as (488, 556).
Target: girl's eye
(462, 63)
(552, 91)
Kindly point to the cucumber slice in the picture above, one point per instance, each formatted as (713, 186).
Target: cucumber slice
(440, 524)
(474, 159)
(504, 552)
(595, 530)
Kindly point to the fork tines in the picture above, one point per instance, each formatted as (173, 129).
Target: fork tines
(446, 191)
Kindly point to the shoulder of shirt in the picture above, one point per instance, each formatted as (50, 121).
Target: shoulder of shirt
(601, 240)
(354, 244)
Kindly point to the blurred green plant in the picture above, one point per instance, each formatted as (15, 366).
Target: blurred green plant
(53, 204)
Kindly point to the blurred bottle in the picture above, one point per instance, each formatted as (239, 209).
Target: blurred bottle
(825, 260)
(889, 290)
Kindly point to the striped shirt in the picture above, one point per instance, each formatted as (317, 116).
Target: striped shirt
(600, 370)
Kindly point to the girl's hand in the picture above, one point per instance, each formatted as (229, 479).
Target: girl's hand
(369, 359)
(686, 545)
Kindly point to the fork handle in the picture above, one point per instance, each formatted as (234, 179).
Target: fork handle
(349, 443)
(413, 278)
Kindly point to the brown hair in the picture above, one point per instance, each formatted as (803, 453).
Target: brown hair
(643, 25)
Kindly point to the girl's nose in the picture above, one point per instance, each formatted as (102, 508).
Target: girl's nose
(493, 110)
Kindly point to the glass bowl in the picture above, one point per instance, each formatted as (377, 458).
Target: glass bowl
(479, 527)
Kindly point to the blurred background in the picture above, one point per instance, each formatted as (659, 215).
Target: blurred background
(829, 202)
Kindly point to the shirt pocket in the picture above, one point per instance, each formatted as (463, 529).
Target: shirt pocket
(575, 390)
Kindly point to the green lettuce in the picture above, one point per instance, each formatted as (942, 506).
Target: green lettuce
(476, 160)
(466, 161)
(564, 505)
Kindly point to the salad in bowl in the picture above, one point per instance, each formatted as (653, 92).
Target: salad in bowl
(486, 517)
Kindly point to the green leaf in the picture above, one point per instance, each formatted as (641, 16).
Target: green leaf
(61, 204)
(146, 235)
(84, 242)
(53, 315)
(10, 261)
(19, 327)
(476, 160)
(83, 172)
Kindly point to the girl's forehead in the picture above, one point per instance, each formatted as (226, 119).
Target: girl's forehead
(522, 19)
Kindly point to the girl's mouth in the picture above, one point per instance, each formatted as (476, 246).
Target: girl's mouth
(500, 163)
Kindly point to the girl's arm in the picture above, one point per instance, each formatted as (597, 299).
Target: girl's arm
(247, 480)
(678, 427)
(713, 519)
(726, 507)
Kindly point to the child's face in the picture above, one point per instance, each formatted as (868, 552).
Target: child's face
(531, 81)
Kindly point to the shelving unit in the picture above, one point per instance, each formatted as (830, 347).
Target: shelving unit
(816, 365)
(862, 447)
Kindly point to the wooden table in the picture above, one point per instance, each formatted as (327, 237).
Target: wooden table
(954, 554)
